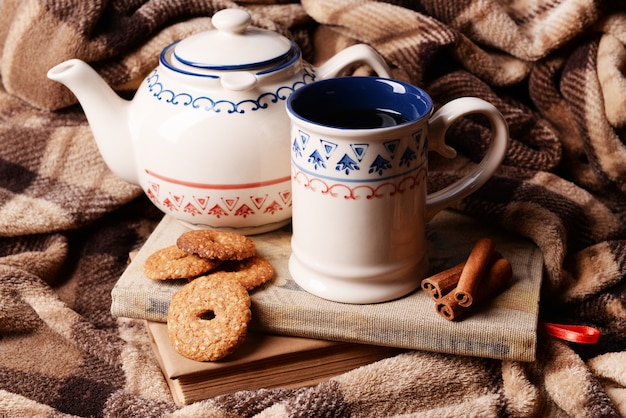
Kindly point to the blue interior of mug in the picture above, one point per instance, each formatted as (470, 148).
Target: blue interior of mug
(359, 103)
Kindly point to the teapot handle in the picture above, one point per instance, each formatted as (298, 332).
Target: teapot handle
(359, 53)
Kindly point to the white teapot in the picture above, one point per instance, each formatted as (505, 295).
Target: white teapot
(207, 134)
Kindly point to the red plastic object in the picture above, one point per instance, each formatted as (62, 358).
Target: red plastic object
(581, 334)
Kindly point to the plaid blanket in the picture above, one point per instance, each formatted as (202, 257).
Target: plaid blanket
(555, 69)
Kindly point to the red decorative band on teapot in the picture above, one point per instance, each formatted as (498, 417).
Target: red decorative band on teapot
(218, 186)
(269, 200)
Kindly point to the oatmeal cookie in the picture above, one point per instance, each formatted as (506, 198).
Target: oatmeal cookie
(251, 272)
(208, 317)
(221, 245)
(173, 263)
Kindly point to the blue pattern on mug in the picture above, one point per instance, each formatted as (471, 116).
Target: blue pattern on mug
(357, 160)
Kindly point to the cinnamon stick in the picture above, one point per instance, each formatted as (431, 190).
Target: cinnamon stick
(496, 278)
(449, 307)
(442, 283)
(475, 267)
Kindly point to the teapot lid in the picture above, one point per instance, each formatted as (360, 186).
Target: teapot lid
(234, 45)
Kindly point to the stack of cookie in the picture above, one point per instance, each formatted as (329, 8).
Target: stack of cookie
(209, 316)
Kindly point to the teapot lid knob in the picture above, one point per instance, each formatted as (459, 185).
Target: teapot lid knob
(234, 44)
(231, 20)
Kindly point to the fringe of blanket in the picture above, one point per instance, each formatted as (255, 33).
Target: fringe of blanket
(555, 69)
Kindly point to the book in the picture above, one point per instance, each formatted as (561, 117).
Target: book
(262, 361)
(503, 328)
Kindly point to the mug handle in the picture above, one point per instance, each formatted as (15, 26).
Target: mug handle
(355, 54)
(437, 127)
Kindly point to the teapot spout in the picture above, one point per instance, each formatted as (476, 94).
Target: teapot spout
(106, 112)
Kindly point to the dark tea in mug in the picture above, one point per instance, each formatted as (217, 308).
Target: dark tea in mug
(360, 103)
(362, 119)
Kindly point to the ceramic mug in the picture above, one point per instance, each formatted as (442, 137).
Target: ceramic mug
(359, 162)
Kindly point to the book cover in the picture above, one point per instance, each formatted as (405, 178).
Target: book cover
(503, 328)
(262, 361)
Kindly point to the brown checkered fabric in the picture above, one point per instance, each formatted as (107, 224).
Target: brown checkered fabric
(554, 68)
